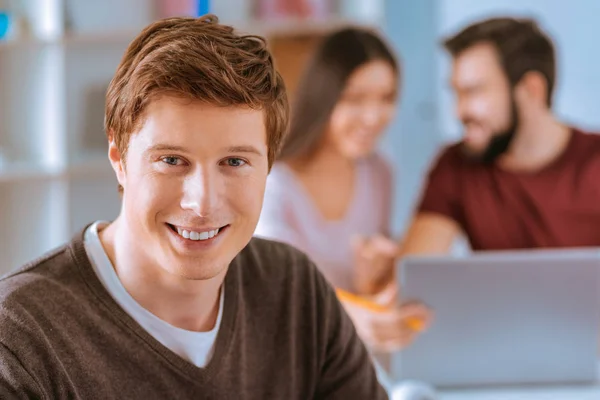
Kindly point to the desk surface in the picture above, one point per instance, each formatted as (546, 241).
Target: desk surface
(557, 393)
(572, 392)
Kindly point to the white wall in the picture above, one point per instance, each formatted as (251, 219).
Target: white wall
(413, 137)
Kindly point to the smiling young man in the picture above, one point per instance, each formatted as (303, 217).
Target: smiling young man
(175, 299)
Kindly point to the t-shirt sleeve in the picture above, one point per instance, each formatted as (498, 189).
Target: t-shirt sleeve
(15, 381)
(442, 192)
(347, 371)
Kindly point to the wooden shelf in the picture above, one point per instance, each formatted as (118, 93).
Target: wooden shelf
(297, 27)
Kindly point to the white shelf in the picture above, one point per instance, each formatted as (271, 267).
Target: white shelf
(95, 165)
(21, 171)
(19, 43)
(71, 39)
(267, 28)
(99, 38)
(92, 165)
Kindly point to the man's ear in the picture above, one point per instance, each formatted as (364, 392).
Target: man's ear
(116, 160)
(532, 88)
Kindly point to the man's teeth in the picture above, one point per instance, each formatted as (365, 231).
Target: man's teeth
(192, 235)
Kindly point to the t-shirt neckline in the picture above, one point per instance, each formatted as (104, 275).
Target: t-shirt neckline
(224, 336)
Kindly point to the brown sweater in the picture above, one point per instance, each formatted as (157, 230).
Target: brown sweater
(283, 336)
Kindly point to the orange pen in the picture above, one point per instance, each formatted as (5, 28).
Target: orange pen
(414, 323)
(360, 301)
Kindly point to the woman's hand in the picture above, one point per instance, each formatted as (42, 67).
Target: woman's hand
(392, 329)
(374, 261)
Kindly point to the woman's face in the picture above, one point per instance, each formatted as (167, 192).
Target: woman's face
(364, 110)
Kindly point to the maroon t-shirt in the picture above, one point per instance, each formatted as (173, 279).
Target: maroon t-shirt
(558, 206)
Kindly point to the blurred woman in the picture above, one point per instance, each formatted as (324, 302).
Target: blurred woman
(330, 193)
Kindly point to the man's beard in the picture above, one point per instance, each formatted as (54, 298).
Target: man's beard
(499, 143)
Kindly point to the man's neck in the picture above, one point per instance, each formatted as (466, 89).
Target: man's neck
(187, 304)
(536, 145)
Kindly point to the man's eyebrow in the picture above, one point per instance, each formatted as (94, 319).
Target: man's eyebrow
(232, 149)
(244, 149)
(168, 147)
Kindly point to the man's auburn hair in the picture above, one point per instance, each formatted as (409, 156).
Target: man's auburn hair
(197, 59)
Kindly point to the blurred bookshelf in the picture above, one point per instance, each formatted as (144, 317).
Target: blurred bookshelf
(57, 58)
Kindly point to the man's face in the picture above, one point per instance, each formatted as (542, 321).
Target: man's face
(484, 102)
(194, 180)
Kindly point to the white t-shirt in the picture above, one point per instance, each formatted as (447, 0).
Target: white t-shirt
(196, 347)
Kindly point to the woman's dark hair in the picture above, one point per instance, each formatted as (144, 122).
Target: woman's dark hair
(337, 56)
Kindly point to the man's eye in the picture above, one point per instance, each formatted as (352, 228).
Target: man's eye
(235, 162)
(171, 160)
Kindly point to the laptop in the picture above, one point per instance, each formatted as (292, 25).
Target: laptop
(504, 318)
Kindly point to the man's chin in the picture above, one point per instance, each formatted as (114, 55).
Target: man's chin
(196, 266)
(197, 270)
(472, 153)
